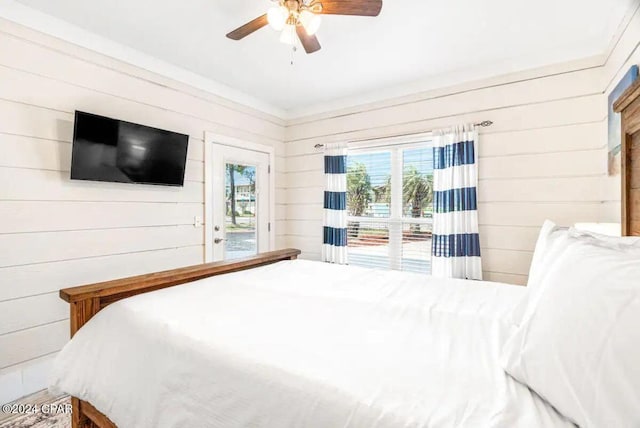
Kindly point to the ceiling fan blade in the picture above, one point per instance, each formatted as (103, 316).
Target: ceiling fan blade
(349, 7)
(310, 43)
(248, 28)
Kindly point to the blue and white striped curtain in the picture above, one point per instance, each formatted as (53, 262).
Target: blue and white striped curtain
(456, 242)
(334, 247)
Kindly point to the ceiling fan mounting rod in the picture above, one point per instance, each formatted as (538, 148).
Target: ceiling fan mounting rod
(292, 5)
(296, 6)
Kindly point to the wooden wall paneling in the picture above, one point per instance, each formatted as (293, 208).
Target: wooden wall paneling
(25, 377)
(550, 139)
(46, 185)
(441, 89)
(49, 216)
(308, 195)
(302, 227)
(517, 238)
(506, 261)
(540, 90)
(533, 214)
(506, 278)
(304, 211)
(20, 314)
(52, 66)
(34, 342)
(34, 90)
(554, 189)
(561, 139)
(578, 163)
(44, 247)
(28, 280)
(561, 112)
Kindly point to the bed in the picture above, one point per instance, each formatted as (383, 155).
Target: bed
(272, 341)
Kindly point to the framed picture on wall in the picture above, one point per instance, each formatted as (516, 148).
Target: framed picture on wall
(614, 124)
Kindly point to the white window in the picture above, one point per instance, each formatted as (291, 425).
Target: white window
(390, 205)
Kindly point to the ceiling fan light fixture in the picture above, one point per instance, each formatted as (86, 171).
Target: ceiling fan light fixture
(299, 20)
(277, 17)
(288, 35)
(310, 21)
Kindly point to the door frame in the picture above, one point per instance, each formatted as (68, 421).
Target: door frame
(211, 138)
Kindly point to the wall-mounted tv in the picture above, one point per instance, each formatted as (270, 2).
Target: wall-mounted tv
(106, 149)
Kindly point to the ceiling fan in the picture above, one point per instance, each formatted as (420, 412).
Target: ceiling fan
(302, 18)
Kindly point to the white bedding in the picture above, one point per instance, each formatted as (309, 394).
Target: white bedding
(304, 344)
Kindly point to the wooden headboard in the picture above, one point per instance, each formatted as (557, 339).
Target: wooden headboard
(87, 300)
(628, 104)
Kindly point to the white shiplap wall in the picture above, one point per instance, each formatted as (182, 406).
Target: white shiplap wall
(56, 233)
(544, 156)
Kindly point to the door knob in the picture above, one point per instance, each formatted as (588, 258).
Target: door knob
(218, 240)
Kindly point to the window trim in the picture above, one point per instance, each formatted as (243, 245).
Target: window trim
(361, 148)
(391, 141)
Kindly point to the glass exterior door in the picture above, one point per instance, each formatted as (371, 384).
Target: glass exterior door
(240, 239)
(240, 203)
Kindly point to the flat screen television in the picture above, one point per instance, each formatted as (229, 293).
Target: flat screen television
(106, 149)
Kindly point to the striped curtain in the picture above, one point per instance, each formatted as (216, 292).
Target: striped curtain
(334, 247)
(456, 242)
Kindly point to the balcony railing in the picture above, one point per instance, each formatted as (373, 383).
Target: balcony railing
(401, 244)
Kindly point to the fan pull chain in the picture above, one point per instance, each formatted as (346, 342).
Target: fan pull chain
(293, 51)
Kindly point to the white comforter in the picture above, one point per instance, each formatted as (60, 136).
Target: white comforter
(304, 344)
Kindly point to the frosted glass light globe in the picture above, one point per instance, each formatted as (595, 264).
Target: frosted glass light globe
(310, 21)
(277, 17)
(288, 34)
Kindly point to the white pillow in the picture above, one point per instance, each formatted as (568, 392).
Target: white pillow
(579, 343)
(607, 239)
(553, 240)
(550, 243)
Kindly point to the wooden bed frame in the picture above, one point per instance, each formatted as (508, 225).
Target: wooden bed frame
(87, 300)
(628, 105)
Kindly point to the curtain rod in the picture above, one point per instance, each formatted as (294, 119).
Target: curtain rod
(483, 124)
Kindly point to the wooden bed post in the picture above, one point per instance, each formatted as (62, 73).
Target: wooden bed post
(87, 300)
(628, 105)
(79, 419)
(82, 311)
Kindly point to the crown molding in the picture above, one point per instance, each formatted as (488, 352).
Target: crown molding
(47, 24)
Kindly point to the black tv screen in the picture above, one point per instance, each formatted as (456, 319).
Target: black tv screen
(107, 149)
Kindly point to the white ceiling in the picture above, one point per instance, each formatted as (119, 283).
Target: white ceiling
(411, 41)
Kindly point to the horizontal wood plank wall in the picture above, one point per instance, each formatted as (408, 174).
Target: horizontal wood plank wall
(57, 233)
(544, 156)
